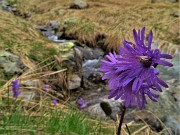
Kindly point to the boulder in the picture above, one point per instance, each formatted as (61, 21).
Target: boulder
(10, 63)
(79, 4)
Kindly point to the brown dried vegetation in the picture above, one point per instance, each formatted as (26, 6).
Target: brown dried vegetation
(113, 18)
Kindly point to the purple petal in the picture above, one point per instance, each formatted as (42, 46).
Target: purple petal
(128, 80)
(128, 47)
(150, 36)
(54, 101)
(127, 102)
(15, 84)
(136, 85)
(139, 103)
(164, 63)
(81, 103)
(16, 94)
(135, 36)
(155, 71)
(83, 106)
(46, 87)
(142, 34)
(167, 56)
(112, 94)
(161, 82)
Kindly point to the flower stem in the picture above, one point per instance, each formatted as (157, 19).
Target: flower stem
(121, 120)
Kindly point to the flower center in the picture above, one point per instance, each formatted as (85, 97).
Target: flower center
(145, 60)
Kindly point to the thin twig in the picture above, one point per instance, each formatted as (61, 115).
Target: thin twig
(128, 129)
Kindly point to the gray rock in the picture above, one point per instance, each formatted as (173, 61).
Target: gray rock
(79, 4)
(176, 14)
(4, 4)
(74, 82)
(94, 107)
(70, 58)
(173, 123)
(90, 66)
(10, 63)
(50, 29)
(90, 53)
(54, 24)
(31, 93)
(78, 58)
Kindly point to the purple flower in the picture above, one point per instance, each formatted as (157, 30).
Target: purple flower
(132, 73)
(16, 86)
(81, 103)
(16, 94)
(47, 87)
(54, 101)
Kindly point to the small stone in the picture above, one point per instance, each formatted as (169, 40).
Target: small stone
(74, 82)
(175, 14)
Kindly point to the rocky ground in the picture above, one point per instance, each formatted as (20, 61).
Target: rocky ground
(81, 57)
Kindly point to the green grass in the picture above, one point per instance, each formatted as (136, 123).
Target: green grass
(48, 122)
(16, 118)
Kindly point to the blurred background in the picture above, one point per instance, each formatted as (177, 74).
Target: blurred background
(55, 48)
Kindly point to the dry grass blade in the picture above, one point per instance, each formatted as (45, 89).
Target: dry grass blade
(140, 130)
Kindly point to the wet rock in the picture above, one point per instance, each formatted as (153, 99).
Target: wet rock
(10, 63)
(91, 73)
(94, 106)
(79, 4)
(98, 52)
(71, 59)
(91, 66)
(50, 29)
(90, 53)
(74, 82)
(4, 5)
(78, 58)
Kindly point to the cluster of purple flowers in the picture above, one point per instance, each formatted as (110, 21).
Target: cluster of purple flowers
(47, 88)
(132, 73)
(15, 86)
(16, 92)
